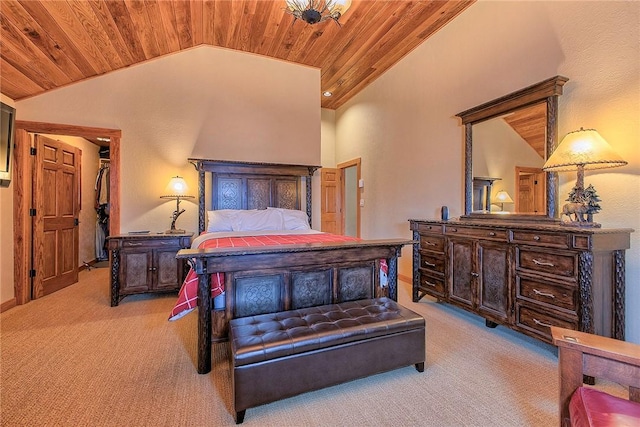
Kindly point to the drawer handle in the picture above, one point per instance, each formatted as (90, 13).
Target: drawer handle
(546, 264)
(453, 230)
(428, 283)
(135, 244)
(544, 294)
(536, 238)
(153, 268)
(492, 234)
(537, 322)
(475, 274)
(429, 243)
(165, 243)
(428, 264)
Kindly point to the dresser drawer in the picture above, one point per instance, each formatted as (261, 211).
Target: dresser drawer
(546, 292)
(556, 240)
(430, 228)
(432, 243)
(480, 232)
(432, 285)
(538, 322)
(552, 263)
(431, 261)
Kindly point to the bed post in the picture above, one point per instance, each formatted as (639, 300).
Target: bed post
(308, 180)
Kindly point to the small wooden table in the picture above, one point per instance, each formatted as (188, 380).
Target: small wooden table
(146, 263)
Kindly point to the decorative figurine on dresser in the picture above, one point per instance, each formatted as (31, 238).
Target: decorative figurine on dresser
(524, 269)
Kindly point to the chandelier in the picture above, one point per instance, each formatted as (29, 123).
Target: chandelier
(314, 11)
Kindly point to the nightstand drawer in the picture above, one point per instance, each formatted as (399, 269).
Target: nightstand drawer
(151, 243)
(545, 292)
(552, 263)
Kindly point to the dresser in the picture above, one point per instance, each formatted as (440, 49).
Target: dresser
(146, 263)
(525, 276)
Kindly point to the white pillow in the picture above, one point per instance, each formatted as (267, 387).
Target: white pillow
(258, 220)
(221, 220)
(294, 219)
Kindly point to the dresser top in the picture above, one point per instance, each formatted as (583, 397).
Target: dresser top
(550, 226)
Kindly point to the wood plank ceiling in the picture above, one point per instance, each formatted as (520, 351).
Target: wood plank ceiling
(45, 45)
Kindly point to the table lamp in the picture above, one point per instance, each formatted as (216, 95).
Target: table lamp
(177, 189)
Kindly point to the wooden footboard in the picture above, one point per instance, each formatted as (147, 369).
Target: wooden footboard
(272, 279)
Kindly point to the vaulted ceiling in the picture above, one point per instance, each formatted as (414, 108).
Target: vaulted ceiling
(49, 44)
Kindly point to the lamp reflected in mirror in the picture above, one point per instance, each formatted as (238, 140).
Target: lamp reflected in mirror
(500, 198)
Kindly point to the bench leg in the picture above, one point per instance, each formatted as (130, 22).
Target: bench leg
(240, 416)
(420, 367)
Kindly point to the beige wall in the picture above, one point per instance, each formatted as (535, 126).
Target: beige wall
(6, 234)
(204, 102)
(404, 126)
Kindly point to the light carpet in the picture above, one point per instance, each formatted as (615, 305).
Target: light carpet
(69, 359)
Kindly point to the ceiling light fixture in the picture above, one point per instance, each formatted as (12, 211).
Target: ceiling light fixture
(314, 11)
(327, 93)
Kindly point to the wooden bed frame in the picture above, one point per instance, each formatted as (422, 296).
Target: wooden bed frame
(277, 278)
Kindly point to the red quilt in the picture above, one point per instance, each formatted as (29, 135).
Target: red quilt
(188, 296)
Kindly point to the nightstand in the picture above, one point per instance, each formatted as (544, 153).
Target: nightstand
(146, 263)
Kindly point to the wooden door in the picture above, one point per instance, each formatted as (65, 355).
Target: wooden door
(57, 204)
(462, 271)
(331, 201)
(531, 190)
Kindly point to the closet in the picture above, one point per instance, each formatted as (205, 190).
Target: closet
(102, 208)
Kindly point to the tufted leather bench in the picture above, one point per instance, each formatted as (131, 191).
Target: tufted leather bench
(283, 354)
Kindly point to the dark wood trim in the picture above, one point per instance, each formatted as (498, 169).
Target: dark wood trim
(518, 99)
(22, 193)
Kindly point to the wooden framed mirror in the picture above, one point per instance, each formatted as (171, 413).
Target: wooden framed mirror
(520, 130)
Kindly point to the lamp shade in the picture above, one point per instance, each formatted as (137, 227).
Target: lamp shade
(502, 197)
(583, 147)
(177, 187)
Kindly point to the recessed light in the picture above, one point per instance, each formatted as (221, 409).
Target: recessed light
(327, 93)
(103, 139)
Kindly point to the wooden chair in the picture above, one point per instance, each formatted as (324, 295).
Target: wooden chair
(582, 354)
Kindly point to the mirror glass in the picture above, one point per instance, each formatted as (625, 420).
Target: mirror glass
(508, 154)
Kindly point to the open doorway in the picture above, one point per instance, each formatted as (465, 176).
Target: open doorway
(23, 192)
(341, 195)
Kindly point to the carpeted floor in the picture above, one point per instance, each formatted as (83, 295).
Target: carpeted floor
(69, 359)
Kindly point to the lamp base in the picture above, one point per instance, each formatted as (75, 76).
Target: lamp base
(174, 231)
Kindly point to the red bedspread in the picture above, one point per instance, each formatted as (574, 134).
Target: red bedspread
(188, 296)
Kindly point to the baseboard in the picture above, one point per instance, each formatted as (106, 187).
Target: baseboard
(8, 304)
(405, 279)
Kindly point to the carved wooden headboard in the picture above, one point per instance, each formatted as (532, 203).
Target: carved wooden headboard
(245, 185)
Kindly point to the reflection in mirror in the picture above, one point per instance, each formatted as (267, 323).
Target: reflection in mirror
(511, 149)
(506, 142)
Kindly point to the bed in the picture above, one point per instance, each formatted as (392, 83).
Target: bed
(243, 264)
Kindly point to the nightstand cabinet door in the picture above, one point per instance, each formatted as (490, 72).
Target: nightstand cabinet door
(168, 272)
(136, 271)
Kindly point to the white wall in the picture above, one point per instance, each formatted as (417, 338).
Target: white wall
(205, 102)
(404, 128)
